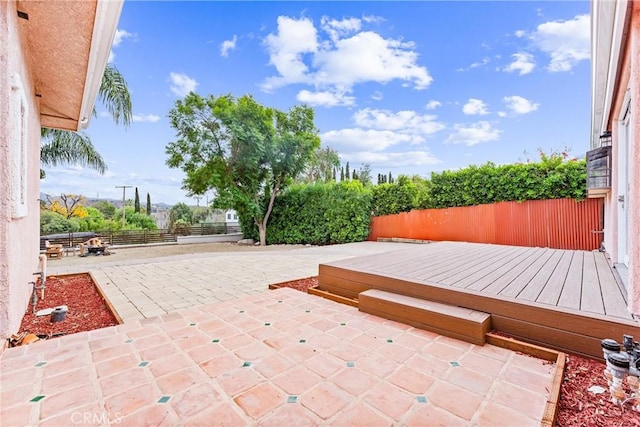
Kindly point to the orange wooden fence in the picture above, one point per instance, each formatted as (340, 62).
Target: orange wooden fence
(558, 223)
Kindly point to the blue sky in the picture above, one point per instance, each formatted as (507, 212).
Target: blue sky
(408, 87)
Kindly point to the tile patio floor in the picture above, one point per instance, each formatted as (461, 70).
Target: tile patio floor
(204, 343)
(276, 358)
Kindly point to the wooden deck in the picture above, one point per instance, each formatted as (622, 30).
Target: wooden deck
(563, 299)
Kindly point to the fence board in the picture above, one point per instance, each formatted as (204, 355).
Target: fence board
(557, 223)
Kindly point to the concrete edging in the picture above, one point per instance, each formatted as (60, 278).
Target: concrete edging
(213, 238)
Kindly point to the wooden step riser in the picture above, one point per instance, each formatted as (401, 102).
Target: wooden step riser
(455, 322)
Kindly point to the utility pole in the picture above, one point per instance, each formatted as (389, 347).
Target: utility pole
(197, 200)
(124, 189)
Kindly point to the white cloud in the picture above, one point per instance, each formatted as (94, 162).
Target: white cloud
(293, 39)
(520, 105)
(151, 118)
(120, 36)
(368, 57)
(566, 42)
(227, 46)
(340, 29)
(473, 134)
(408, 122)
(377, 132)
(117, 39)
(520, 33)
(348, 56)
(432, 105)
(373, 19)
(181, 84)
(372, 140)
(482, 63)
(522, 62)
(325, 98)
(377, 96)
(475, 107)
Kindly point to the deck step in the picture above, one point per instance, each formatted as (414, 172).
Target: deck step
(455, 322)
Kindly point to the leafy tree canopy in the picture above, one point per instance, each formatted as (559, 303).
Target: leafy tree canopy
(245, 151)
(180, 211)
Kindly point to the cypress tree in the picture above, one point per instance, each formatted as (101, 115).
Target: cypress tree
(346, 172)
(136, 206)
(390, 178)
(342, 174)
(148, 204)
(355, 175)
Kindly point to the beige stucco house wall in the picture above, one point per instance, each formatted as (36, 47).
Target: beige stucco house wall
(615, 32)
(52, 57)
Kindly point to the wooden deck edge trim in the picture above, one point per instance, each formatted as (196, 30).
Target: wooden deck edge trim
(551, 408)
(333, 297)
(550, 413)
(110, 306)
(528, 311)
(523, 347)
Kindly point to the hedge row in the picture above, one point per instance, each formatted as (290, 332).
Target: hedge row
(321, 214)
(552, 178)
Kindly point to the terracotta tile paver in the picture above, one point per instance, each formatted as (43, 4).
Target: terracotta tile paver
(260, 400)
(342, 367)
(325, 399)
(360, 415)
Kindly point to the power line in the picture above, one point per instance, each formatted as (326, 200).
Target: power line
(124, 189)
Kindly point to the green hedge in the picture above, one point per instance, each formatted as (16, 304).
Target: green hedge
(551, 178)
(402, 196)
(321, 214)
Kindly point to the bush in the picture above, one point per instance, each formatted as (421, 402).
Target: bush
(320, 214)
(551, 178)
(402, 196)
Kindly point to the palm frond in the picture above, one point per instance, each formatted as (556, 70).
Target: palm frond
(61, 147)
(114, 94)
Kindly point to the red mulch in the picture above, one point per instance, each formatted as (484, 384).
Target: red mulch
(87, 310)
(580, 407)
(301, 284)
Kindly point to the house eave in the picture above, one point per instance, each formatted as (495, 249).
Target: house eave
(608, 26)
(67, 46)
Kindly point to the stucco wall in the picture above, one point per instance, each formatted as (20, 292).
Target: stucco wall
(634, 166)
(629, 78)
(19, 243)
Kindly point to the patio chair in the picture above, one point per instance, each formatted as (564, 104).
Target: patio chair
(53, 251)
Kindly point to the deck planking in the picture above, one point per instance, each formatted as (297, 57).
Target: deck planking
(548, 296)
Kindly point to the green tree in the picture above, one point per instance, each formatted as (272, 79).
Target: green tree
(364, 176)
(346, 172)
(68, 148)
(245, 151)
(136, 203)
(180, 211)
(107, 209)
(148, 204)
(342, 174)
(322, 166)
(200, 214)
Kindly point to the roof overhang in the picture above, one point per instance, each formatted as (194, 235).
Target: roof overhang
(67, 45)
(609, 20)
